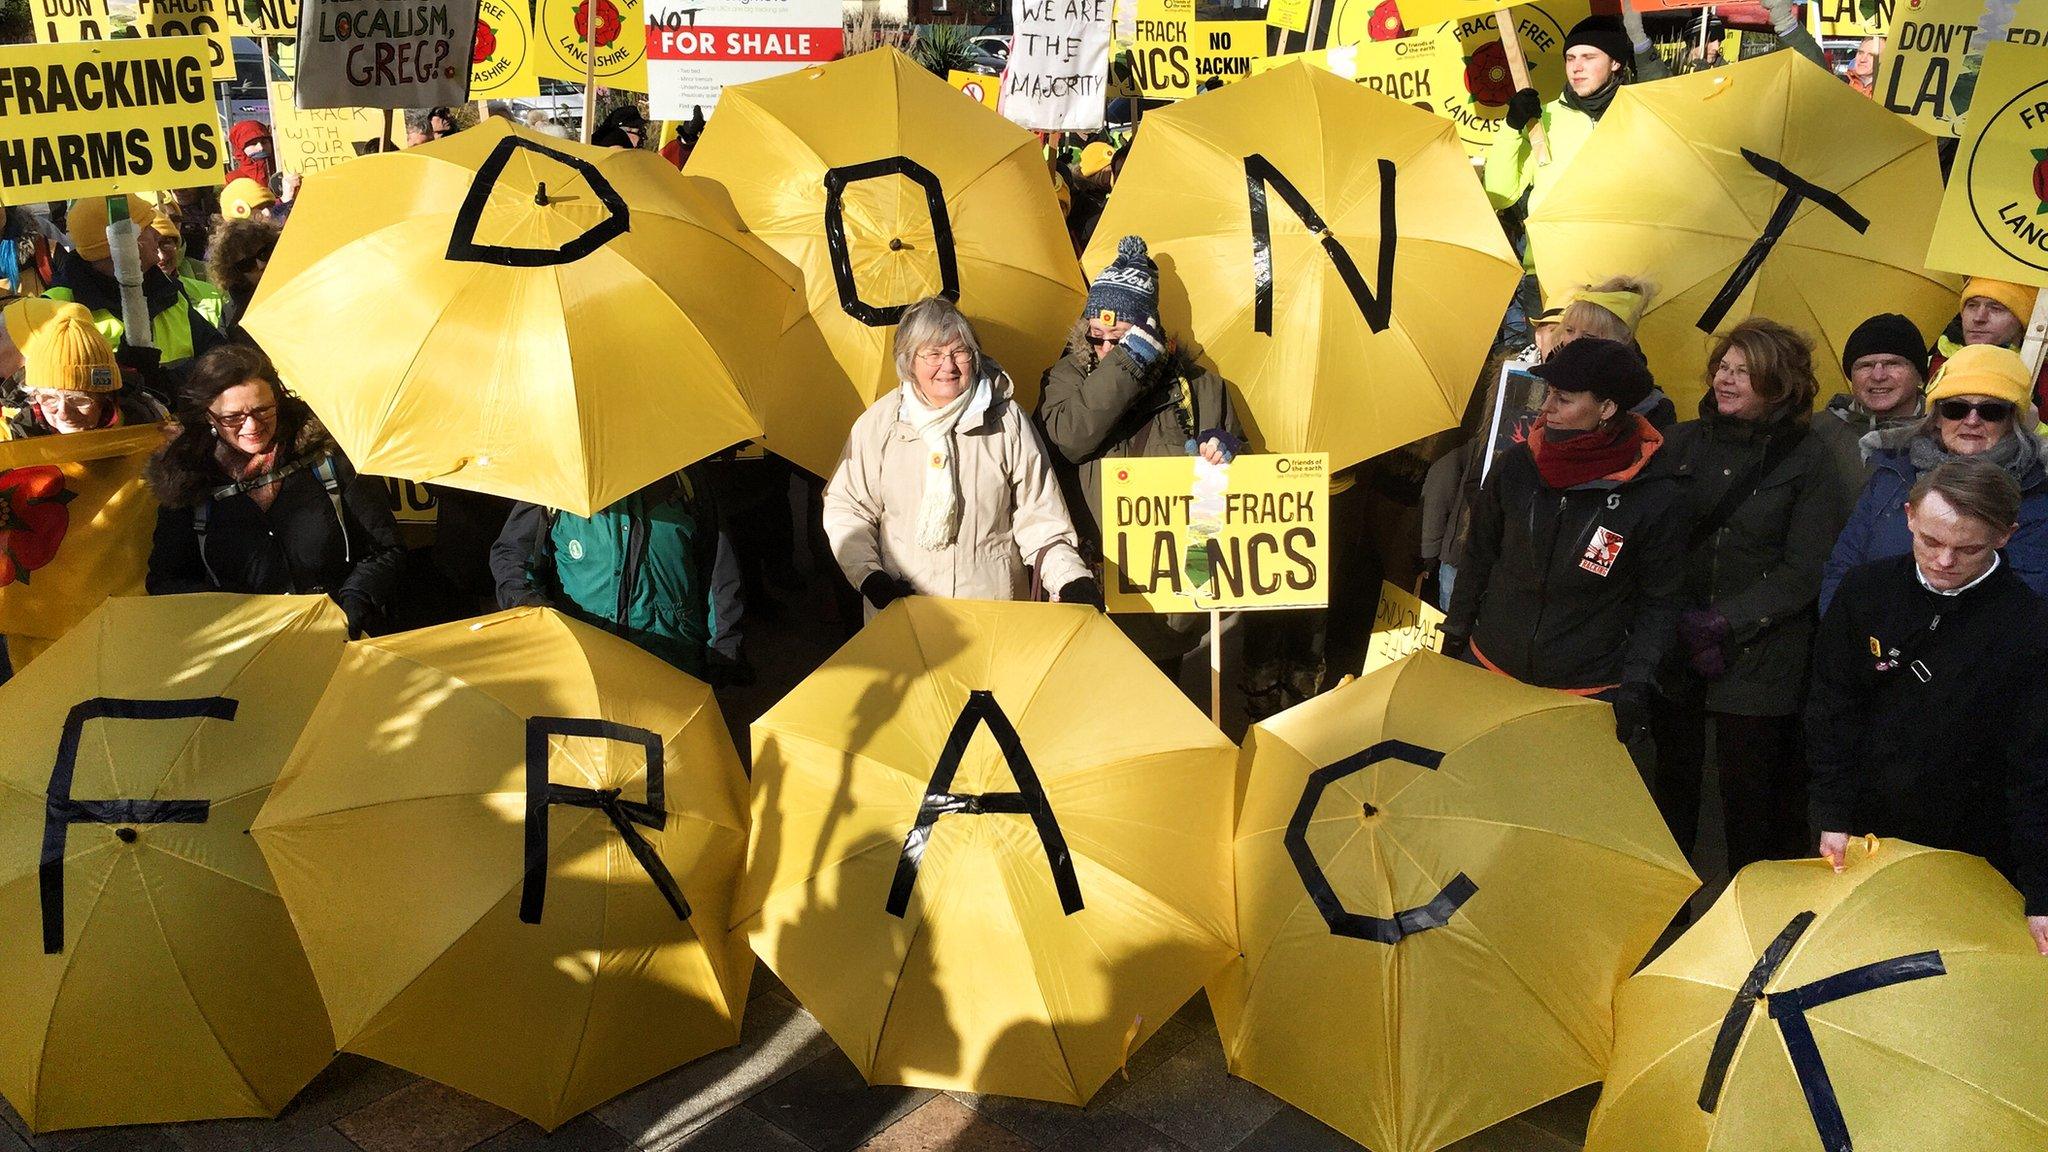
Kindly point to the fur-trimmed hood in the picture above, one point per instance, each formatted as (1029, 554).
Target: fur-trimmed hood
(178, 484)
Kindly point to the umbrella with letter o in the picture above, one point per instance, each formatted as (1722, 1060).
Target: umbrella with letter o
(885, 187)
(509, 846)
(1765, 188)
(152, 972)
(512, 313)
(1442, 877)
(974, 874)
(1326, 249)
(1897, 1007)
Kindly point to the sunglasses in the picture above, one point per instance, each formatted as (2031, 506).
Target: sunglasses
(1992, 411)
(260, 256)
(1102, 341)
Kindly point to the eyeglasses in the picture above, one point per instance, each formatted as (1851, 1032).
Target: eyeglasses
(932, 358)
(260, 256)
(233, 421)
(76, 403)
(1992, 411)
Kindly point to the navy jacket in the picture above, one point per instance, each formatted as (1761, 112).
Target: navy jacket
(1877, 528)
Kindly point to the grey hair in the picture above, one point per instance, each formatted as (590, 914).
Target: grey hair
(931, 321)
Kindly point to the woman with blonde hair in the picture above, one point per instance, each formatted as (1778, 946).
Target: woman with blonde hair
(1609, 310)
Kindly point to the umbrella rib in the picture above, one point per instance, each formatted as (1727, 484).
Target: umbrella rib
(590, 1000)
(1300, 902)
(184, 859)
(902, 965)
(1552, 832)
(1038, 982)
(1935, 1068)
(185, 985)
(823, 867)
(1618, 1087)
(91, 913)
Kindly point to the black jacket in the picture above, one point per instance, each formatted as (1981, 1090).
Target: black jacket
(298, 546)
(1944, 743)
(1534, 602)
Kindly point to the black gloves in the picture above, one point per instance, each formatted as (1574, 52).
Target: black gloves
(881, 589)
(359, 610)
(1455, 644)
(1524, 106)
(1632, 713)
(1082, 591)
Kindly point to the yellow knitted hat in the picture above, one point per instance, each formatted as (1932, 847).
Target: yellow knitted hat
(27, 316)
(242, 197)
(2017, 298)
(69, 355)
(1983, 370)
(88, 223)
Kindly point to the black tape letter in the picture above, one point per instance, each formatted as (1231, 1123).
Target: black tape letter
(1797, 191)
(1342, 921)
(1378, 310)
(1029, 799)
(623, 814)
(836, 180)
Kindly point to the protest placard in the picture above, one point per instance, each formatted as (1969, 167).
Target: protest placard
(105, 117)
(384, 53)
(1289, 14)
(1059, 64)
(1183, 535)
(976, 87)
(1225, 49)
(502, 65)
(1162, 55)
(69, 21)
(1928, 72)
(264, 19)
(620, 35)
(1402, 626)
(1994, 216)
(192, 18)
(1844, 19)
(315, 139)
(697, 47)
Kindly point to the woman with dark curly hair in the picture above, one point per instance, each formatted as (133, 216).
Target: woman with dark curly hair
(235, 259)
(257, 498)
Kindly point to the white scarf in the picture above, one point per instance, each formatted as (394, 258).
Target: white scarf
(938, 507)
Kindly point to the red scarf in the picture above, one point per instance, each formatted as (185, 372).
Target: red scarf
(1575, 460)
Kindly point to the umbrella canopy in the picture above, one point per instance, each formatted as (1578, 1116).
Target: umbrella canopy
(1765, 188)
(509, 846)
(152, 973)
(1897, 1007)
(1442, 877)
(874, 177)
(974, 875)
(1326, 249)
(538, 319)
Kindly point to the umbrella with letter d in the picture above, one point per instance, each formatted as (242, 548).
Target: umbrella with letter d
(1897, 1007)
(509, 846)
(974, 874)
(1442, 877)
(540, 320)
(1326, 249)
(152, 973)
(1765, 188)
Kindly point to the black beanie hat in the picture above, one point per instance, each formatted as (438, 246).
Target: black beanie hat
(1609, 369)
(1889, 333)
(1604, 33)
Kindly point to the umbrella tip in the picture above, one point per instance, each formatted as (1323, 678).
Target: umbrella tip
(896, 244)
(540, 195)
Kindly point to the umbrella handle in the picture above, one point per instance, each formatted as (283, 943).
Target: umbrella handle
(1518, 71)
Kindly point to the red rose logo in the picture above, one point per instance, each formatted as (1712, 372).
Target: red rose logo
(2041, 178)
(33, 519)
(486, 43)
(608, 22)
(1486, 75)
(1385, 23)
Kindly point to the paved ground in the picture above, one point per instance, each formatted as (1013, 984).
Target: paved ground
(787, 1088)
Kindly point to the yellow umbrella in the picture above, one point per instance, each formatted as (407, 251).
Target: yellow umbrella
(972, 873)
(1327, 249)
(152, 973)
(1766, 188)
(512, 313)
(509, 846)
(1442, 877)
(1898, 1007)
(884, 186)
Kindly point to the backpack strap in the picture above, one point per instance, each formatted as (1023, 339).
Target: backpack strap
(200, 515)
(1776, 450)
(330, 479)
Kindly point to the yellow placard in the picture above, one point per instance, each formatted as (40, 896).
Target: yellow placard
(979, 88)
(1844, 20)
(1402, 626)
(69, 21)
(620, 35)
(111, 116)
(315, 139)
(502, 64)
(1926, 76)
(1994, 216)
(1183, 535)
(1224, 49)
(1289, 14)
(264, 19)
(192, 18)
(1162, 55)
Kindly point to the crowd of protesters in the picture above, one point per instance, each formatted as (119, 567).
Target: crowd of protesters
(1843, 609)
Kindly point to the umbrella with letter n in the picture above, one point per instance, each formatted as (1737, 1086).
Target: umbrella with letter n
(975, 875)
(1897, 1007)
(1442, 877)
(509, 846)
(885, 187)
(1326, 249)
(1765, 188)
(540, 320)
(152, 972)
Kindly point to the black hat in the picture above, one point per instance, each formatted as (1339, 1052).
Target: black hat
(1604, 33)
(1609, 369)
(1889, 333)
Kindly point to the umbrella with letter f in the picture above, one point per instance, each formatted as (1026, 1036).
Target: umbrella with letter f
(542, 320)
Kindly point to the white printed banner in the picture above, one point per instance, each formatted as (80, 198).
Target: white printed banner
(697, 47)
(1059, 64)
